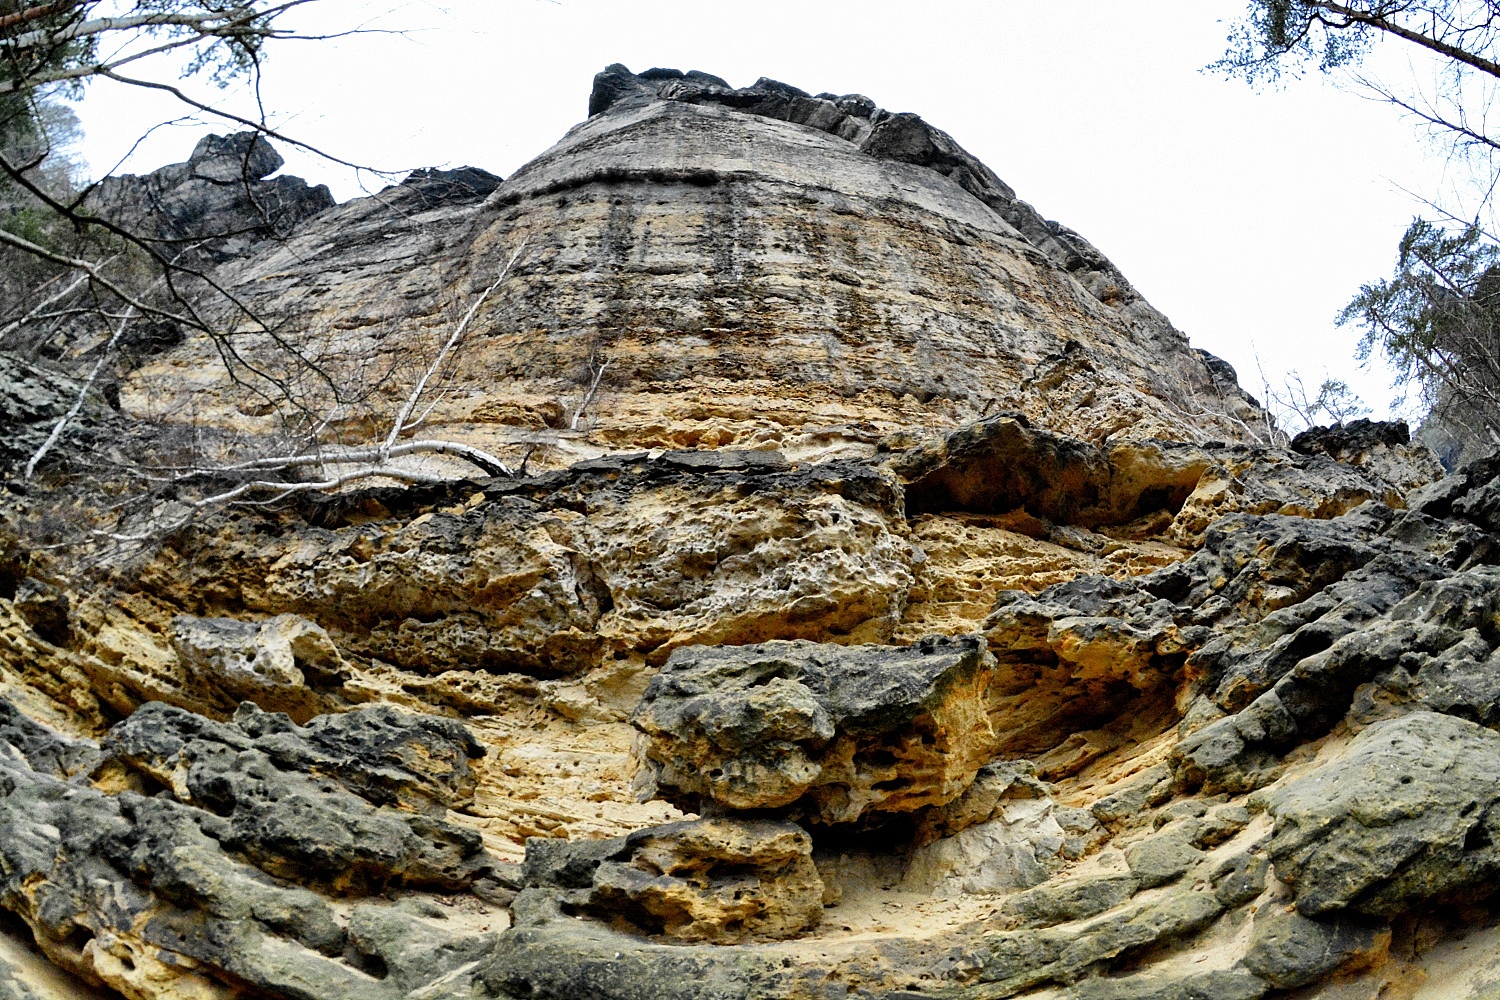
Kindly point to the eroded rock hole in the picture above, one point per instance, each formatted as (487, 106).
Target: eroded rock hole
(1003, 466)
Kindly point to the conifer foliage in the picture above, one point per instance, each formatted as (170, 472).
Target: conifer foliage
(1437, 317)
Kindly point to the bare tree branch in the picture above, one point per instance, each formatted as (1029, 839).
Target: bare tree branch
(83, 393)
(400, 423)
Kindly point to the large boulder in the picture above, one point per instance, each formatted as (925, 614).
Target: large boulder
(1406, 815)
(832, 733)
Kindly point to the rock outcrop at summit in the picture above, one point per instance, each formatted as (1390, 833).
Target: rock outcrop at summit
(908, 614)
(223, 202)
(883, 135)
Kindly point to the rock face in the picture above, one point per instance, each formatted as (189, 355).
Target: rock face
(32, 398)
(211, 880)
(718, 880)
(830, 733)
(220, 195)
(917, 619)
(755, 268)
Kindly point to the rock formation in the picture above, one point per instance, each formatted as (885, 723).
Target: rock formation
(914, 614)
(220, 201)
(759, 269)
(833, 733)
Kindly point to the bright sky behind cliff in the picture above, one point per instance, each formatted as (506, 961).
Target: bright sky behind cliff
(1248, 218)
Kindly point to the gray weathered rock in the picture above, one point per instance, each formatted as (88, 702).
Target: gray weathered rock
(1073, 899)
(1018, 960)
(1288, 950)
(832, 733)
(719, 880)
(221, 195)
(1405, 816)
(205, 882)
(1163, 857)
(32, 398)
(42, 749)
(417, 763)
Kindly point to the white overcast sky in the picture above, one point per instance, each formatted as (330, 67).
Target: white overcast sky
(1248, 217)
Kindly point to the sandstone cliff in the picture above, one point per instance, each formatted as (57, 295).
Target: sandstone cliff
(755, 268)
(916, 615)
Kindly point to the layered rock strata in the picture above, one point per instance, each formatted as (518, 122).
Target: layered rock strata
(968, 702)
(756, 268)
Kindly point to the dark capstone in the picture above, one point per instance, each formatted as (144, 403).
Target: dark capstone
(225, 159)
(1220, 370)
(613, 84)
(460, 186)
(1343, 442)
(223, 198)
